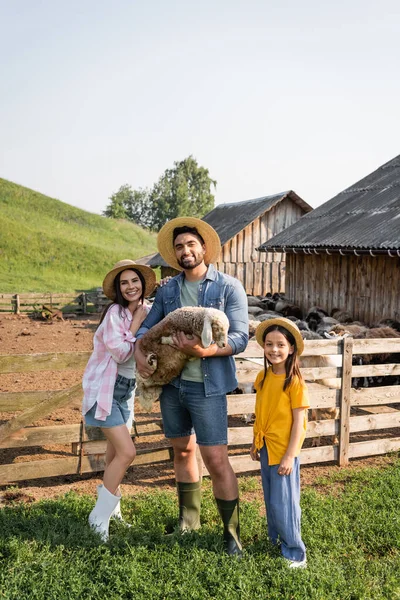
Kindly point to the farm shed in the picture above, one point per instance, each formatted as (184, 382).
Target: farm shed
(242, 226)
(346, 253)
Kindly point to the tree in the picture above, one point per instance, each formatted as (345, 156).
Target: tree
(116, 208)
(130, 204)
(184, 190)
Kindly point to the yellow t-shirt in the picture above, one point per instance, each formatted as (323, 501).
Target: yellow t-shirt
(274, 417)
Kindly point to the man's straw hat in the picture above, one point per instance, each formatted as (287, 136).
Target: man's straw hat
(209, 235)
(122, 265)
(282, 322)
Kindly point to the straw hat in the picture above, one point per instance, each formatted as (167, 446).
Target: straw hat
(122, 265)
(209, 235)
(287, 324)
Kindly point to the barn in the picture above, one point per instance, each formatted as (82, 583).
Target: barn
(346, 253)
(242, 226)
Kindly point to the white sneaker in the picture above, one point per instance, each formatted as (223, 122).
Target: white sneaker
(297, 564)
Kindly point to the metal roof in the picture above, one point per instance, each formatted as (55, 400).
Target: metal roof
(231, 218)
(365, 216)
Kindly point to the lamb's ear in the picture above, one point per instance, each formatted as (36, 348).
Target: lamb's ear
(206, 334)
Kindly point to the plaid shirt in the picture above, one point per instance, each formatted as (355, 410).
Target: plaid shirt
(113, 344)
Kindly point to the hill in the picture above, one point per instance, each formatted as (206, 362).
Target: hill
(48, 245)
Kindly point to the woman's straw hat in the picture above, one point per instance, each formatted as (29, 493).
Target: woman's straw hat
(282, 322)
(122, 265)
(166, 246)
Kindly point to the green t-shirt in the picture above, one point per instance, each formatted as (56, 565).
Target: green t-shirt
(189, 297)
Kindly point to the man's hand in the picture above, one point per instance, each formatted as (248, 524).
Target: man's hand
(142, 365)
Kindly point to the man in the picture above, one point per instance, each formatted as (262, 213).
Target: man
(194, 405)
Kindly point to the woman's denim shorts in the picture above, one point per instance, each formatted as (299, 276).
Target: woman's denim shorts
(122, 406)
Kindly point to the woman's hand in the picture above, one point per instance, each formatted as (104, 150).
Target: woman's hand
(164, 280)
(286, 465)
(255, 455)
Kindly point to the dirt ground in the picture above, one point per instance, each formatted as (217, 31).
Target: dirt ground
(22, 335)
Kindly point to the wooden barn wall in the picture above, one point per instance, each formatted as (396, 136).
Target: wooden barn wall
(260, 272)
(366, 286)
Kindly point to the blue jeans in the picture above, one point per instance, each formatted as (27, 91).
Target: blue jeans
(282, 501)
(122, 406)
(187, 410)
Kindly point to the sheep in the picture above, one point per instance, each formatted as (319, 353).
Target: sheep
(209, 324)
(341, 315)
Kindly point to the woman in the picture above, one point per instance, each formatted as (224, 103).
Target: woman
(109, 380)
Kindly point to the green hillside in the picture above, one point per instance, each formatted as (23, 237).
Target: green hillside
(47, 245)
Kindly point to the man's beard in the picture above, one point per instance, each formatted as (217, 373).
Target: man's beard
(185, 264)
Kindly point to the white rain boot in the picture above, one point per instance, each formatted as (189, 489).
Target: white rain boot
(116, 513)
(99, 518)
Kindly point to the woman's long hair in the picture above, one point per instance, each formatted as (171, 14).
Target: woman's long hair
(292, 366)
(119, 299)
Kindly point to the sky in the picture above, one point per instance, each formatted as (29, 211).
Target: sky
(268, 95)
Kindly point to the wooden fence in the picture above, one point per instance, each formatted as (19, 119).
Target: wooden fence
(87, 446)
(83, 303)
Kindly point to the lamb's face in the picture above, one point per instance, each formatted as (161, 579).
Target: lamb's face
(220, 327)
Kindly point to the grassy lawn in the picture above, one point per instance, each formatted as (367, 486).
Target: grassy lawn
(351, 526)
(47, 245)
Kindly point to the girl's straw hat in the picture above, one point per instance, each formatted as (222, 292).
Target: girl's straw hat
(122, 265)
(166, 246)
(282, 322)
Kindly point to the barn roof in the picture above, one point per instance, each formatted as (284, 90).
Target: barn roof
(364, 217)
(229, 219)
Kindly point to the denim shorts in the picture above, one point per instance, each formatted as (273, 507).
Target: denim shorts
(122, 406)
(186, 410)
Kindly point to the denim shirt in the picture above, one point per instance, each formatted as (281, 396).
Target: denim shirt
(220, 291)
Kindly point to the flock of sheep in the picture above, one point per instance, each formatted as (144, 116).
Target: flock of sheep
(318, 324)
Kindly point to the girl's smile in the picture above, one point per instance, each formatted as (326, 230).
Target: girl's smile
(276, 350)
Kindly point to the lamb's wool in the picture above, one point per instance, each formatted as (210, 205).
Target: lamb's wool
(209, 324)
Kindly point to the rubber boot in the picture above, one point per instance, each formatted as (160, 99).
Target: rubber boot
(99, 518)
(116, 513)
(189, 496)
(229, 511)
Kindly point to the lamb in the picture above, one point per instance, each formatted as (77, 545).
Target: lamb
(209, 324)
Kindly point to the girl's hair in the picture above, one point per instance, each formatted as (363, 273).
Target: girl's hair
(119, 299)
(292, 366)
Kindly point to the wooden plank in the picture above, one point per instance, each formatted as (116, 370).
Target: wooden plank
(376, 370)
(29, 363)
(68, 434)
(376, 346)
(239, 436)
(375, 422)
(378, 395)
(30, 415)
(55, 467)
(372, 448)
(241, 404)
(344, 429)
(242, 463)
(14, 401)
(380, 410)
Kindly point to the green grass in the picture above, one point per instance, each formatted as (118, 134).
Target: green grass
(351, 528)
(47, 245)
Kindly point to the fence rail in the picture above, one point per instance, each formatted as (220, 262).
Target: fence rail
(77, 303)
(88, 446)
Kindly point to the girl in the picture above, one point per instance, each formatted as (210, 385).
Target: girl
(279, 432)
(109, 384)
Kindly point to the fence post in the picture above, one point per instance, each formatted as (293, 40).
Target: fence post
(345, 391)
(84, 303)
(16, 304)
